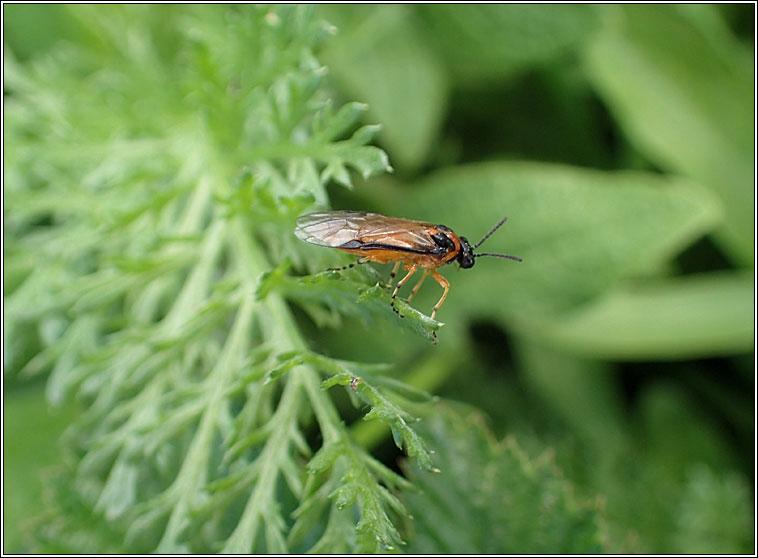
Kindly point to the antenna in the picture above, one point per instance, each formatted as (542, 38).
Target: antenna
(508, 256)
(486, 236)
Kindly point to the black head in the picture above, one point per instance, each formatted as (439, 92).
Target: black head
(466, 255)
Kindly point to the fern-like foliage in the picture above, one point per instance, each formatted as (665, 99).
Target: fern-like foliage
(154, 173)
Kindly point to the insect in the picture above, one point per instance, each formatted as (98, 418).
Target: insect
(354, 381)
(412, 244)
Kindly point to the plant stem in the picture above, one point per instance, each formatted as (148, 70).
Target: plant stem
(192, 477)
(280, 331)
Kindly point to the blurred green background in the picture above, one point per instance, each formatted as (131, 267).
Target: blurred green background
(619, 142)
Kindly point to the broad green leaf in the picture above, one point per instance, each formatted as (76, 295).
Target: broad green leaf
(380, 57)
(581, 391)
(490, 42)
(579, 232)
(685, 99)
(685, 317)
(490, 498)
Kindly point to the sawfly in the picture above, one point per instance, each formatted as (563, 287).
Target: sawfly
(381, 239)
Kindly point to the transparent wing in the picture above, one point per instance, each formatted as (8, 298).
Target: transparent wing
(369, 231)
(330, 228)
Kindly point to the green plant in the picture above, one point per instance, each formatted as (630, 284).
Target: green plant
(154, 167)
(155, 222)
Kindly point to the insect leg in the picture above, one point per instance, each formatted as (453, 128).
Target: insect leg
(359, 261)
(411, 270)
(445, 285)
(418, 285)
(394, 271)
